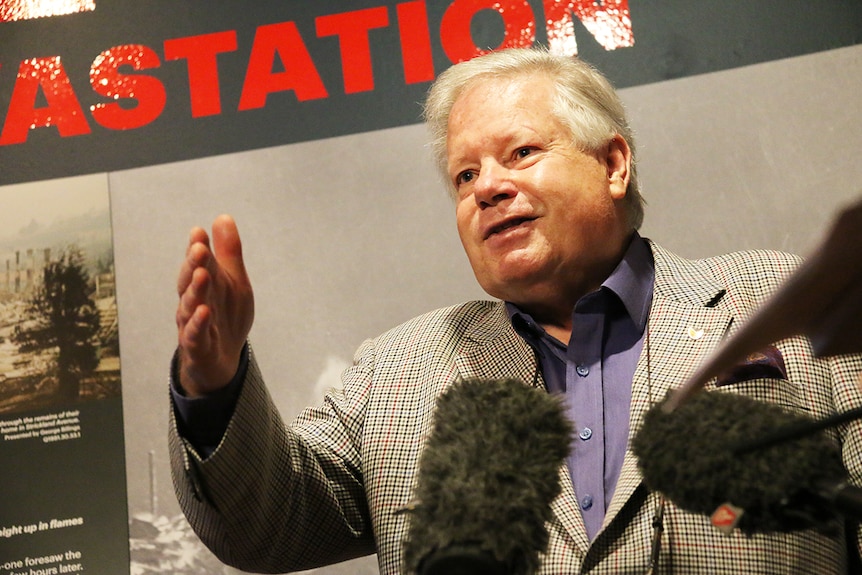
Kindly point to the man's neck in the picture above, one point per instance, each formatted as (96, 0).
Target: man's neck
(562, 334)
(556, 318)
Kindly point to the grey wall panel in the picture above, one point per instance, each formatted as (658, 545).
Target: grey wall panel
(349, 236)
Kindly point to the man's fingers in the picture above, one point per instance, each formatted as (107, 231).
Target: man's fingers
(195, 292)
(194, 334)
(197, 255)
(198, 235)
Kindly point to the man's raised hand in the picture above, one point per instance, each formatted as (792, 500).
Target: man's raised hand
(216, 308)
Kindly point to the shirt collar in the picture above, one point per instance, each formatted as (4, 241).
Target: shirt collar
(632, 282)
(633, 279)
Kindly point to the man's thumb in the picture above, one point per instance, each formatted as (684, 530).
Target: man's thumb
(228, 246)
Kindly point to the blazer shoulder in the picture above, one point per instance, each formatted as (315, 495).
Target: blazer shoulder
(749, 268)
(736, 281)
(753, 267)
(476, 319)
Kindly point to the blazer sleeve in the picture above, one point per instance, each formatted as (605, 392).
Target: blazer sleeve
(273, 498)
(846, 382)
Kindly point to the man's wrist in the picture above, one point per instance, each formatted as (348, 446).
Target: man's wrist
(203, 420)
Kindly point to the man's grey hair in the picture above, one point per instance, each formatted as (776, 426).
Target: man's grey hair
(586, 103)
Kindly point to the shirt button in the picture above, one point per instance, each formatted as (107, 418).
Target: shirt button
(586, 433)
(583, 370)
(587, 502)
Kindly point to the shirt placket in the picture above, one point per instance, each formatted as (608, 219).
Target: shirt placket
(586, 409)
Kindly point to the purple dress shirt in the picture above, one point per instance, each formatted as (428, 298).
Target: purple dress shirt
(595, 373)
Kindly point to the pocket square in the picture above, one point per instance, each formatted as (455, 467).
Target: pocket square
(767, 363)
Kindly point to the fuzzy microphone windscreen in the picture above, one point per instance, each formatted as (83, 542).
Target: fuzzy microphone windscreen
(692, 455)
(486, 479)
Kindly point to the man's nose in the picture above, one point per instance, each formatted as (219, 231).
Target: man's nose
(493, 185)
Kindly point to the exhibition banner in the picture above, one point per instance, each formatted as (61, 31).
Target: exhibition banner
(111, 85)
(61, 416)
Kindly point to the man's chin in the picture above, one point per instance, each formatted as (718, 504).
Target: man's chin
(508, 288)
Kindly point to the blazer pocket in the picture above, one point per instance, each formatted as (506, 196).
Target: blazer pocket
(768, 364)
(763, 376)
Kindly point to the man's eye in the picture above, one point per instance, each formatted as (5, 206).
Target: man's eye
(464, 177)
(523, 152)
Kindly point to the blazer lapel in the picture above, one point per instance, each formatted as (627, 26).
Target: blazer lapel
(680, 338)
(494, 350)
(683, 329)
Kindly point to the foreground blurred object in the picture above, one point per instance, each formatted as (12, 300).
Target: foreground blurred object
(822, 300)
(486, 479)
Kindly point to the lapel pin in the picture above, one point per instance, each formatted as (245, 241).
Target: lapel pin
(695, 333)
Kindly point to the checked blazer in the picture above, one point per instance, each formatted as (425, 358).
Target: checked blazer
(274, 498)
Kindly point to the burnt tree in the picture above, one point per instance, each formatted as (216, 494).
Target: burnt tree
(64, 321)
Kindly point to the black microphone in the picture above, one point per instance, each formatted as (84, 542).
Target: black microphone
(486, 479)
(700, 456)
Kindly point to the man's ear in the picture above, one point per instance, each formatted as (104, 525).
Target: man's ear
(619, 162)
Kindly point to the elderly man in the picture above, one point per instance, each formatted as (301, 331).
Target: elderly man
(538, 155)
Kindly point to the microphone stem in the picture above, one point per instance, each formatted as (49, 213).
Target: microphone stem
(658, 529)
(844, 498)
(796, 431)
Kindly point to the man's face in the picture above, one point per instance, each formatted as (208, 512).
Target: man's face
(538, 218)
